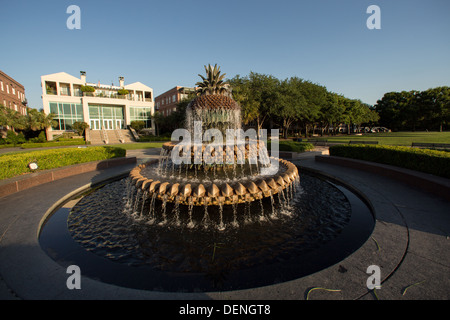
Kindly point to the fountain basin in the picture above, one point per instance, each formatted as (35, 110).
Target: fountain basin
(325, 222)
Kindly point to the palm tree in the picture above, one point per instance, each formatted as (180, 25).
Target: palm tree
(11, 118)
(213, 83)
(38, 120)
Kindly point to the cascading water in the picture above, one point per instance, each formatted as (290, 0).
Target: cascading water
(215, 164)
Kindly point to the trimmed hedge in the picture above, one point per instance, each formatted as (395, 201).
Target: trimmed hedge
(292, 146)
(153, 138)
(16, 164)
(424, 160)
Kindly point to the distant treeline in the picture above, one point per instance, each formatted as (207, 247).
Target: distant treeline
(415, 110)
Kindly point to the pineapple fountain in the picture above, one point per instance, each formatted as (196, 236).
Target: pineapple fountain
(223, 172)
(210, 214)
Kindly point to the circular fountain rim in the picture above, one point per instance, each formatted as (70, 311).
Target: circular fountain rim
(316, 173)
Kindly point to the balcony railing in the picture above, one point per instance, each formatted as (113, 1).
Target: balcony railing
(131, 97)
(116, 96)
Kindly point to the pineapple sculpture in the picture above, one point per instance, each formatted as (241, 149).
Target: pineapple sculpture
(213, 83)
(214, 106)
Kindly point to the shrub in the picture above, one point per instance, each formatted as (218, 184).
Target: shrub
(17, 163)
(122, 92)
(424, 160)
(153, 138)
(137, 125)
(87, 89)
(79, 127)
(40, 139)
(15, 139)
(292, 146)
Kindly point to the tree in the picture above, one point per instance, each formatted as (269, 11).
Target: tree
(137, 125)
(11, 118)
(242, 94)
(316, 99)
(435, 106)
(331, 112)
(80, 127)
(412, 110)
(158, 119)
(291, 103)
(38, 120)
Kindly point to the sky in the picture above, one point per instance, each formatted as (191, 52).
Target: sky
(164, 44)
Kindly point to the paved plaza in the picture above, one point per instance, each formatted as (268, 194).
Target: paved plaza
(410, 243)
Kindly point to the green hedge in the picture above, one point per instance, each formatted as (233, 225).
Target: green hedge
(153, 138)
(292, 146)
(424, 160)
(17, 163)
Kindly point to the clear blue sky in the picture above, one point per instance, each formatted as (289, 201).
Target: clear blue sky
(166, 43)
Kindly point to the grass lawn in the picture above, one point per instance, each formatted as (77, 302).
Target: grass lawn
(394, 138)
(138, 145)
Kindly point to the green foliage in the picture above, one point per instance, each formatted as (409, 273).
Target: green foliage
(39, 139)
(122, 92)
(34, 120)
(79, 127)
(153, 138)
(14, 138)
(296, 103)
(415, 110)
(424, 160)
(17, 164)
(137, 125)
(87, 89)
(292, 146)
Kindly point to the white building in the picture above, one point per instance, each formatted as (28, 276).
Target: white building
(108, 107)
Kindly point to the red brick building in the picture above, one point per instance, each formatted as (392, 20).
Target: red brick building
(166, 103)
(12, 94)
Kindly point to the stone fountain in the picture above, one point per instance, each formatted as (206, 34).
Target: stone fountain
(211, 170)
(210, 214)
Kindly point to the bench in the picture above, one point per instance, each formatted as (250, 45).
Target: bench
(431, 145)
(362, 142)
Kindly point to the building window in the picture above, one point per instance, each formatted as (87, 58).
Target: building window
(1, 84)
(64, 89)
(66, 114)
(106, 117)
(174, 98)
(141, 114)
(77, 91)
(7, 88)
(50, 87)
(13, 90)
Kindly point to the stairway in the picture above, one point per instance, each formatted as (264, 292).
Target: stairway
(112, 136)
